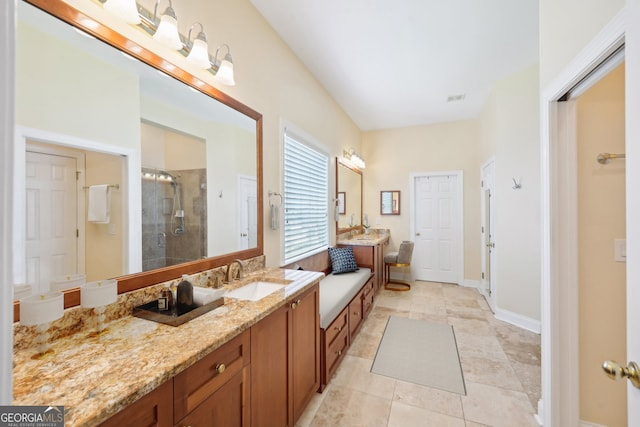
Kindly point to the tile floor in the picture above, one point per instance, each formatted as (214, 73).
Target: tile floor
(491, 352)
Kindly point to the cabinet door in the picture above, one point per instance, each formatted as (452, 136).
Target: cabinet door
(154, 409)
(194, 385)
(225, 407)
(270, 379)
(306, 349)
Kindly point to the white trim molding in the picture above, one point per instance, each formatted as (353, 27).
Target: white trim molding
(518, 320)
(560, 376)
(470, 283)
(7, 94)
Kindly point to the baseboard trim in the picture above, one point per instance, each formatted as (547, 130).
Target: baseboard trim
(519, 320)
(540, 415)
(588, 424)
(469, 283)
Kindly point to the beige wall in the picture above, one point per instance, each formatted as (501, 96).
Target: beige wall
(510, 134)
(566, 26)
(64, 97)
(103, 247)
(601, 219)
(393, 155)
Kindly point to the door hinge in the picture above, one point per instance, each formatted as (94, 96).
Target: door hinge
(482, 229)
(77, 233)
(482, 184)
(483, 275)
(77, 175)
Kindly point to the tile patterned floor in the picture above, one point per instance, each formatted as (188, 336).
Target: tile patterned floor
(491, 352)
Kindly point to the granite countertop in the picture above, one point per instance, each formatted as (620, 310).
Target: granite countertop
(96, 377)
(371, 239)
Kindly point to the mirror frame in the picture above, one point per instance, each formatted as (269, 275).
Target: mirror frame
(397, 211)
(130, 282)
(339, 163)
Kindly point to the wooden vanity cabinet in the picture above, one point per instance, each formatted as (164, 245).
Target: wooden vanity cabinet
(285, 361)
(154, 409)
(216, 387)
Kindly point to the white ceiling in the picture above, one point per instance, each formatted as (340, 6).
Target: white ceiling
(394, 63)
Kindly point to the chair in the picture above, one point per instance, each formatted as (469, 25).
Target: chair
(402, 258)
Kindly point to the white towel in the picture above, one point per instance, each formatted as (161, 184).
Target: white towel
(99, 204)
(275, 217)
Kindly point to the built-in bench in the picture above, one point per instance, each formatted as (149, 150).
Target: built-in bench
(345, 301)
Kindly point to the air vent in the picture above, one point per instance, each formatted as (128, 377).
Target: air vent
(456, 98)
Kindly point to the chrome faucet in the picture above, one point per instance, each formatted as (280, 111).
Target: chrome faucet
(240, 272)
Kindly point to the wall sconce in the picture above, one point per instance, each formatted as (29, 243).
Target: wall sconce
(353, 158)
(40, 310)
(97, 295)
(199, 54)
(166, 32)
(124, 9)
(225, 67)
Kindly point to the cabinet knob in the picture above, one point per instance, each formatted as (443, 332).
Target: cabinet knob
(339, 352)
(295, 304)
(356, 313)
(220, 368)
(338, 328)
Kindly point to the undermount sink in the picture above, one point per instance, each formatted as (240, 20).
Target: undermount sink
(254, 291)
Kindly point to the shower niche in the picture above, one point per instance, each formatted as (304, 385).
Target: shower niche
(174, 197)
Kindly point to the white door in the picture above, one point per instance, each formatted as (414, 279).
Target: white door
(437, 228)
(487, 190)
(561, 374)
(51, 218)
(247, 209)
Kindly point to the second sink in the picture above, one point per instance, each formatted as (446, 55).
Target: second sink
(254, 291)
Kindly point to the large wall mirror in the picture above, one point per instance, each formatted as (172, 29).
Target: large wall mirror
(349, 193)
(180, 162)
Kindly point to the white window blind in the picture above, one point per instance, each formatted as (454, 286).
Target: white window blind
(306, 195)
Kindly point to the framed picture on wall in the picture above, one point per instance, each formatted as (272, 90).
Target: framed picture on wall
(342, 202)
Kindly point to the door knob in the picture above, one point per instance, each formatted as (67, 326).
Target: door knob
(616, 372)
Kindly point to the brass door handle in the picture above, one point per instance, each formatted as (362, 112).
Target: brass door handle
(617, 372)
(490, 245)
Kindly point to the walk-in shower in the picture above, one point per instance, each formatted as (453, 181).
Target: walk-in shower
(173, 217)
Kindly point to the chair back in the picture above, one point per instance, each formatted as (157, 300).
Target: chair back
(405, 252)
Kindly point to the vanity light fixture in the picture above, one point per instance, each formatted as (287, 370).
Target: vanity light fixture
(199, 53)
(224, 72)
(167, 31)
(40, 310)
(353, 158)
(127, 10)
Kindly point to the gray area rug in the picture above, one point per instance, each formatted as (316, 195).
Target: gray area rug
(420, 352)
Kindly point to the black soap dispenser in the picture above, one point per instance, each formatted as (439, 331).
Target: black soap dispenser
(184, 295)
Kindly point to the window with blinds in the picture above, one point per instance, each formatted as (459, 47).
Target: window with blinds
(306, 195)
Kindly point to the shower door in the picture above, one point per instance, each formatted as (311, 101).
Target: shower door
(173, 217)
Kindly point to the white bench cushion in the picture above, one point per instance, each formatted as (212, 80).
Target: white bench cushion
(337, 290)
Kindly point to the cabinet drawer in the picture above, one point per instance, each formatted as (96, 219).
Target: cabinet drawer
(225, 407)
(355, 312)
(368, 287)
(338, 325)
(367, 303)
(335, 351)
(194, 385)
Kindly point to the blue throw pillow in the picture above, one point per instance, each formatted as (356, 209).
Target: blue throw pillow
(342, 260)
